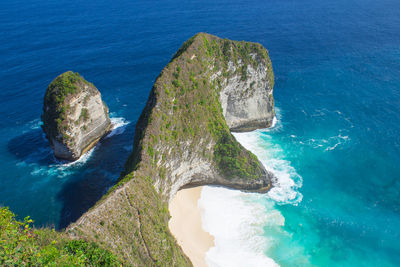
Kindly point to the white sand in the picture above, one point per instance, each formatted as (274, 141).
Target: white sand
(185, 224)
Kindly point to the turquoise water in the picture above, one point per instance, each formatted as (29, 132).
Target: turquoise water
(340, 133)
(335, 148)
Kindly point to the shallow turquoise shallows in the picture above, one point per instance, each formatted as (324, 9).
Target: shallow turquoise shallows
(335, 148)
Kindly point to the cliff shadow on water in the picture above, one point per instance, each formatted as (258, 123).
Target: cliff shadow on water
(31, 147)
(93, 180)
(82, 183)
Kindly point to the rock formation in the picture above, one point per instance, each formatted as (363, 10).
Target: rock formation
(183, 138)
(74, 116)
(247, 99)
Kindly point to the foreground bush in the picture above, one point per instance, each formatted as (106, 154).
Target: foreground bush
(22, 245)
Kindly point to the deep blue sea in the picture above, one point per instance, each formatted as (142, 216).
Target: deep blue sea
(335, 148)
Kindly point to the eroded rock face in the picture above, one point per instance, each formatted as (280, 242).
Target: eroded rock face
(74, 116)
(247, 99)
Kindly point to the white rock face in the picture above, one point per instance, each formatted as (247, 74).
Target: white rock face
(248, 103)
(84, 121)
(88, 130)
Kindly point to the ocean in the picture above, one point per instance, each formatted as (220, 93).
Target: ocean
(335, 148)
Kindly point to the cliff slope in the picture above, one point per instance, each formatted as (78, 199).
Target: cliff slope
(74, 116)
(183, 138)
(23, 245)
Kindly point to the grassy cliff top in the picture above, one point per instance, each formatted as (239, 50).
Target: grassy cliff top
(55, 105)
(225, 51)
(63, 85)
(184, 107)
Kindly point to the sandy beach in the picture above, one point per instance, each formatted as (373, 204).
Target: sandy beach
(186, 225)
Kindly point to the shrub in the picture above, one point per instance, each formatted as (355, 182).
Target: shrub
(84, 114)
(22, 245)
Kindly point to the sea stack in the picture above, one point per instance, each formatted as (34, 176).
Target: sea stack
(74, 116)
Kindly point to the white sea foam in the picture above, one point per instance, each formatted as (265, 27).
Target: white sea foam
(328, 144)
(35, 124)
(60, 168)
(62, 164)
(118, 126)
(236, 221)
(32, 125)
(332, 147)
(287, 180)
(59, 171)
(274, 121)
(63, 168)
(276, 124)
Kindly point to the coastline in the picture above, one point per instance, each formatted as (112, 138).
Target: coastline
(186, 225)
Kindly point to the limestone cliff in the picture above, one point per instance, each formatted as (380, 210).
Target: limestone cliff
(74, 116)
(247, 99)
(183, 138)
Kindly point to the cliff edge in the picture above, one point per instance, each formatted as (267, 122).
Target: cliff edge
(74, 116)
(183, 138)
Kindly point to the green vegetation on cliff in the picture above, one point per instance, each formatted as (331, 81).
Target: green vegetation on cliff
(136, 219)
(22, 245)
(181, 137)
(64, 85)
(54, 110)
(188, 107)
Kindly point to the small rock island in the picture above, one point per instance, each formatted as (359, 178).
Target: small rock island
(74, 116)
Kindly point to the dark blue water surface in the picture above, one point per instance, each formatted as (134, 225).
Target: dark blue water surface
(337, 70)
